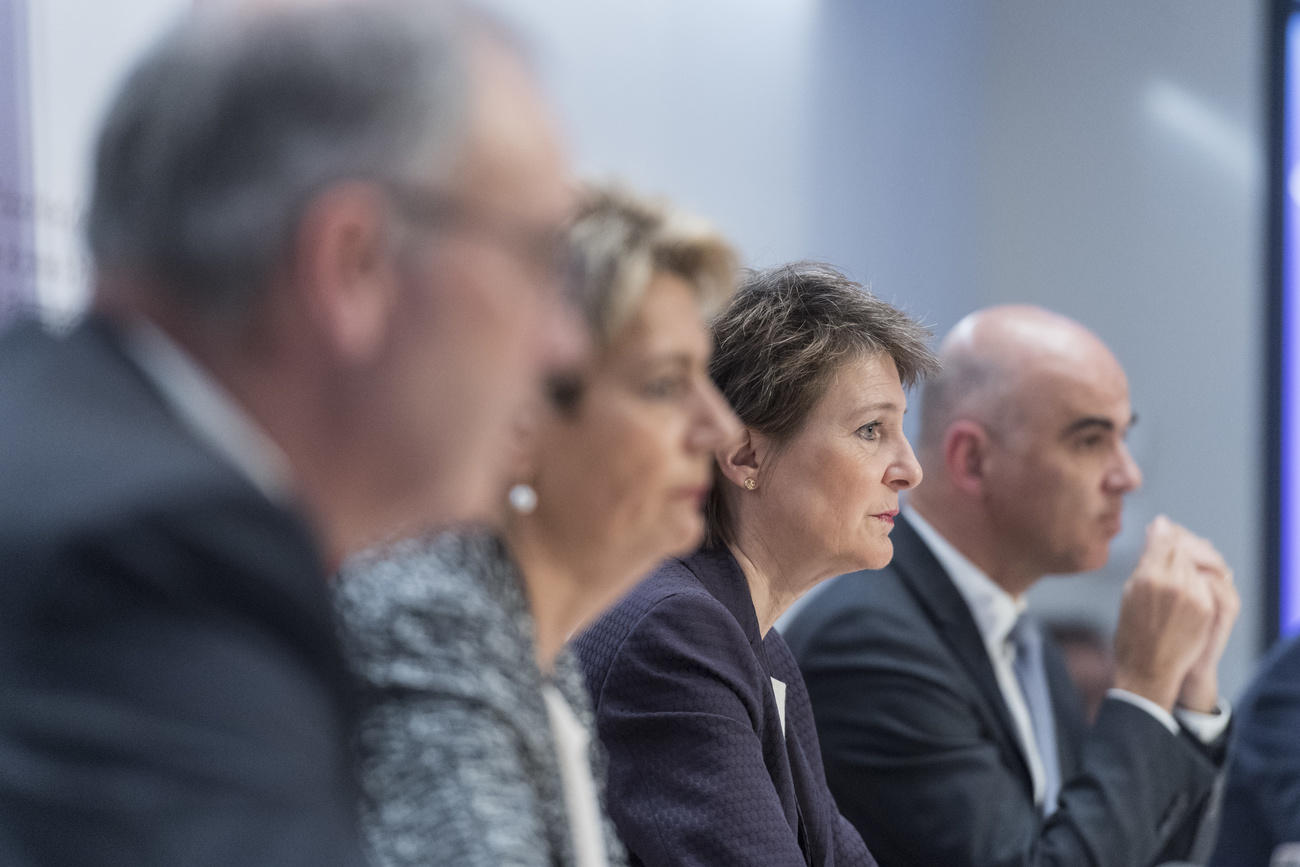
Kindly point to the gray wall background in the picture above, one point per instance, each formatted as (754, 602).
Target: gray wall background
(1104, 159)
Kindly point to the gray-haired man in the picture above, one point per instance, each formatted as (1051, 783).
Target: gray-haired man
(326, 276)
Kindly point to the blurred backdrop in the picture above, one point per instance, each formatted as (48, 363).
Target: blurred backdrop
(1105, 159)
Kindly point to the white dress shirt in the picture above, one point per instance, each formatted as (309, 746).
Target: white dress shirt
(572, 745)
(995, 611)
(778, 692)
(210, 413)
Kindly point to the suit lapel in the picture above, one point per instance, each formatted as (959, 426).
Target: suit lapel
(721, 575)
(805, 782)
(1067, 709)
(929, 583)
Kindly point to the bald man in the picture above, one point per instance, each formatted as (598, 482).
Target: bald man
(949, 728)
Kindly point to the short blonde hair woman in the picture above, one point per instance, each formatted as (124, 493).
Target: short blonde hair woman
(477, 745)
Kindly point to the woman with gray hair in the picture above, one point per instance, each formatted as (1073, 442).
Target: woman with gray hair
(713, 755)
(477, 742)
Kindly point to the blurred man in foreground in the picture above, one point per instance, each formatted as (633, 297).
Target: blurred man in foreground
(950, 731)
(327, 274)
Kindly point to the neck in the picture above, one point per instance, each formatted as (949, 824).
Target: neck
(969, 533)
(283, 378)
(559, 595)
(278, 392)
(775, 583)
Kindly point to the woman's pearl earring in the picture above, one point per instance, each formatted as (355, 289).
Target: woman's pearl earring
(523, 499)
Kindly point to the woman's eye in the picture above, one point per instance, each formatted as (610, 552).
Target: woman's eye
(870, 431)
(665, 387)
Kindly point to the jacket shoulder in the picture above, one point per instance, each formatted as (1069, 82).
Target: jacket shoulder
(869, 600)
(670, 607)
(440, 615)
(86, 436)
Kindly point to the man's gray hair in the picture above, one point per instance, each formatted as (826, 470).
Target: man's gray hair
(233, 121)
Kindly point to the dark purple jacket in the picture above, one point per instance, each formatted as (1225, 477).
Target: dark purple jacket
(700, 773)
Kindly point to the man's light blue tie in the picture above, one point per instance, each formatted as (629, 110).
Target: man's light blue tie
(1028, 643)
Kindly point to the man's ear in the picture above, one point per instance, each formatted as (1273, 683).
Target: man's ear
(965, 454)
(349, 282)
(740, 459)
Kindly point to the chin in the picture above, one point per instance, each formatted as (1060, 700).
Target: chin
(1089, 560)
(878, 557)
(1093, 562)
(689, 533)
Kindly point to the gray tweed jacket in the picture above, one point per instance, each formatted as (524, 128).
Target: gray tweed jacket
(457, 758)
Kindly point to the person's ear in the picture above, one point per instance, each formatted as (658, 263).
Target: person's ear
(348, 279)
(741, 459)
(965, 456)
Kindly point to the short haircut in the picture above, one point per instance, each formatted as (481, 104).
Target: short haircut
(965, 382)
(622, 240)
(786, 334)
(231, 123)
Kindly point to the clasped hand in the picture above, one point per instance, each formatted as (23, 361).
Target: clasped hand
(1177, 612)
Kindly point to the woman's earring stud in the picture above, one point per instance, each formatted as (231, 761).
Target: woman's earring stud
(523, 499)
(750, 484)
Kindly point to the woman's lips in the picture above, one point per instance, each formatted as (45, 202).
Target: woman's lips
(887, 517)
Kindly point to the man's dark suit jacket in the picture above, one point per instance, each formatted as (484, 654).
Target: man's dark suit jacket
(171, 691)
(922, 754)
(700, 773)
(1261, 805)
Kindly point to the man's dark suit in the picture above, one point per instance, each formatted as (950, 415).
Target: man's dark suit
(700, 771)
(922, 754)
(1261, 804)
(171, 691)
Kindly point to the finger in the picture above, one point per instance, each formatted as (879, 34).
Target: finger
(1216, 571)
(1216, 575)
(1225, 594)
(1157, 553)
(1197, 555)
(1227, 606)
(1205, 555)
(1183, 570)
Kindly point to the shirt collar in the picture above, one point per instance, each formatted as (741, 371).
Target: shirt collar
(994, 609)
(208, 410)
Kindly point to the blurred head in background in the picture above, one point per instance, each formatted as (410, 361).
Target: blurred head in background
(352, 216)
(1023, 435)
(620, 459)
